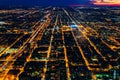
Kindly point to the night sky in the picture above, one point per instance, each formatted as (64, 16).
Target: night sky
(43, 2)
(57, 2)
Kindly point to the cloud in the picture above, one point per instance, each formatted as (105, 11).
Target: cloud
(107, 2)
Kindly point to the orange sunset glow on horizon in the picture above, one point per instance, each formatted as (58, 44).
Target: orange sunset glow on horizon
(107, 2)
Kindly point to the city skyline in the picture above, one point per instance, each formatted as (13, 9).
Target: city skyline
(59, 40)
(60, 43)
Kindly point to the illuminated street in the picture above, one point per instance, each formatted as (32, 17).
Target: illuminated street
(54, 43)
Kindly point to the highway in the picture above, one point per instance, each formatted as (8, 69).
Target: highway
(60, 47)
(83, 32)
(23, 47)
